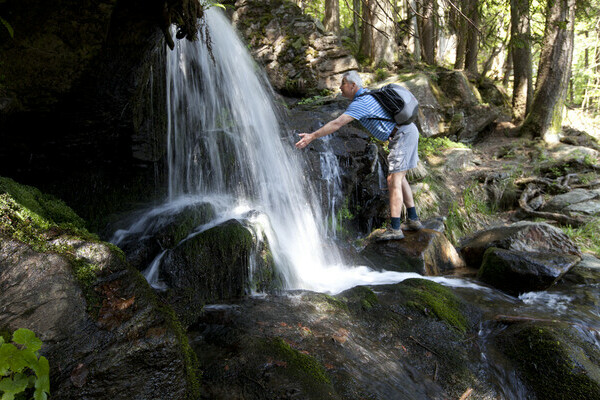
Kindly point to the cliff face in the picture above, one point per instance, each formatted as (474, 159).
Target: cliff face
(299, 57)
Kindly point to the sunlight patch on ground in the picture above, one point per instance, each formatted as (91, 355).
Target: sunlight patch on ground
(583, 121)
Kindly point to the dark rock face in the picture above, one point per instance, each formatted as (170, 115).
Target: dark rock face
(520, 236)
(426, 252)
(518, 272)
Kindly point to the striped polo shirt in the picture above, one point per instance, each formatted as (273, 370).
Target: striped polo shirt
(364, 107)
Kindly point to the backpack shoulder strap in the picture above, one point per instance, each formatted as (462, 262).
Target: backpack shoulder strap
(378, 101)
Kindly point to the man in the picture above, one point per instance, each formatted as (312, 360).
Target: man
(403, 145)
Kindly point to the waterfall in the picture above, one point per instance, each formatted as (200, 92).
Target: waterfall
(224, 139)
(226, 147)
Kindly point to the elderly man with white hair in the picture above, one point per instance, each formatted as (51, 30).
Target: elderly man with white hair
(403, 146)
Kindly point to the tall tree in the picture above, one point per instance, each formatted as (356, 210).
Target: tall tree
(520, 43)
(554, 70)
(331, 21)
(356, 19)
(428, 30)
(472, 45)
(461, 35)
(377, 41)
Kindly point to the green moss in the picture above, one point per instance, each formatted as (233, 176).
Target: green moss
(300, 365)
(192, 365)
(361, 296)
(40, 208)
(553, 364)
(433, 298)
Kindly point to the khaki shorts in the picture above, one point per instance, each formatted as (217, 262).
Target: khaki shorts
(404, 154)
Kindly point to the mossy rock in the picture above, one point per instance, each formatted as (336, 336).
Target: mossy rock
(211, 266)
(431, 298)
(557, 362)
(32, 207)
(359, 298)
(301, 367)
(95, 309)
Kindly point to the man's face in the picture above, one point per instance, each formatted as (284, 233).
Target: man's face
(347, 88)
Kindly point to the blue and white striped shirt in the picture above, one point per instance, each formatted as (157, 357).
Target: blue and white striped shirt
(364, 107)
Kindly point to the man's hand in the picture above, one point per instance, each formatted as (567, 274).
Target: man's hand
(306, 138)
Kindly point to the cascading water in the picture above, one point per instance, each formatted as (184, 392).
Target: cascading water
(225, 146)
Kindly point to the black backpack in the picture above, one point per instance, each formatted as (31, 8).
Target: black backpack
(398, 102)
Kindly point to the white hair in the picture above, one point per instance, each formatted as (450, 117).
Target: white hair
(352, 76)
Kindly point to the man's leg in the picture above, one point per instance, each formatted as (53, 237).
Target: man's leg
(407, 193)
(394, 182)
(396, 191)
(412, 221)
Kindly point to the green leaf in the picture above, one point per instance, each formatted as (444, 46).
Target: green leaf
(12, 386)
(42, 384)
(28, 339)
(11, 32)
(11, 358)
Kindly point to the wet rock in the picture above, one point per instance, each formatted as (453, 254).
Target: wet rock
(211, 266)
(520, 236)
(144, 241)
(517, 272)
(398, 341)
(586, 272)
(426, 252)
(555, 360)
(98, 319)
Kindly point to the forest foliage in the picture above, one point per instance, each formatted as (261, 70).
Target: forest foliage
(419, 24)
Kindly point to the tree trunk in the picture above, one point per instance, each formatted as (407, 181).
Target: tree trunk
(521, 50)
(472, 46)
(507, 68)
(356, 12)
(461, 37)
(415, 29)
(331, 21)
(377, 42)
(428, 36)
(545, 119)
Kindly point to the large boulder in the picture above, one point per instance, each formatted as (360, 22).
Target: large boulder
(426, 252)
(298, 56)
(213, 266)
(144, 235)
(97, 317)
(404, 341)
(555, 361)
(521, 236)
(517, 272)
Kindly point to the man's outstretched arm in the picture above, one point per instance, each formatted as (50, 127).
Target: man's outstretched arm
(325, 130)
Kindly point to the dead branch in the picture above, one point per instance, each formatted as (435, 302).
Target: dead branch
(423, 346)
(530, 191)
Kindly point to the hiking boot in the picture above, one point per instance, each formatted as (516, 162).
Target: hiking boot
(412, 225)
(390, 234)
